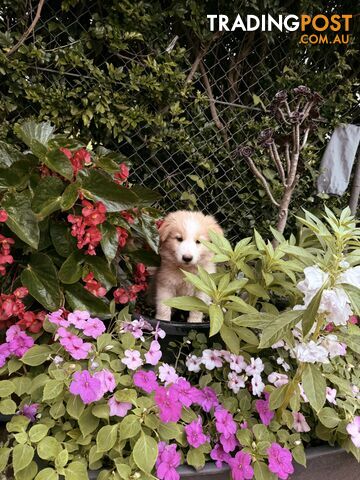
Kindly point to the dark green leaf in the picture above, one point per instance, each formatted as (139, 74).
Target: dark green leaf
(71, 270)
(58, 162)
(80, 299)
(47, 196)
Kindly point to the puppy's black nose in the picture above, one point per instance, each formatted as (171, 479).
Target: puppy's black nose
(187, 258)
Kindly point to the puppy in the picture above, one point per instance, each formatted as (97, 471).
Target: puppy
(181, 249)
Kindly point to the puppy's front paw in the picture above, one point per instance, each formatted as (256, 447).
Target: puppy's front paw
(163, 314)
(195, 317)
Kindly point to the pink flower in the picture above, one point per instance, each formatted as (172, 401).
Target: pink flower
(154, 354)
(78, 318)
(118, 409)
(241, 468)
(78, 349)
(237, 363)
(88, 387)
(300, 423)
(280, 461)
(169, 406)
(257, 385)
(4, 353)
(219, 455)
(331, 395)
(236, 381)
(263, 409)
(3, 216)
(132, 359)
(353, 430)
(18, 341)
(224, 422)
(167, 462)
(278, 379)
(193, 363)
(255, 368)
(93, 327)
(29, 411)
(147, 381)
(57, 318)
(167, 374)
(194, 433)
(107, 381)
(206, 398)
(228, 442)
(185, 392)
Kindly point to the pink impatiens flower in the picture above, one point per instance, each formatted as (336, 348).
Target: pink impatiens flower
(184, 391)
(147, 381)
(241, 468)
(169, 405)
(132, 359)
(280, 461)
(224, 422)
(263, 409)
(353, 430)
(212, 359)
(194, 433)
(78, 349)
(167, 462)
(88, 387)
(57, 318)
(29, 411)
(206, 398)
(78, 318)
(93, 327)
(228, 442)
(118, 409)
(154, 354)
(300, 423)
(219, 455)
(107, 381)
(18, 341)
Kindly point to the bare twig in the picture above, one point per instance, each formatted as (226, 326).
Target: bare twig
(195, 65)
(262, 179)
(29, 30)
(287, 157)
(213, 110)
(305, 138)
(276, 159)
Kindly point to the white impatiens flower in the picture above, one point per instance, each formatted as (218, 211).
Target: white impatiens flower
(353, 430)
(278, 379)
(351, 276)
(314, 280)
(257, 385)
(193, 363)
(212, 359)
(237, 363)
(278, 344)
(281, 361)
(311, 352)
(333, 346)
(255, 367)
(331, 395)
(335, 304)
(236, 381)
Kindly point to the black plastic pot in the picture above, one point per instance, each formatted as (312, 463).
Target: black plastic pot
(175, 332)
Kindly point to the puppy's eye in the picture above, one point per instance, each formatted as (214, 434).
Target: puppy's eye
(198, 241)
(179, 239)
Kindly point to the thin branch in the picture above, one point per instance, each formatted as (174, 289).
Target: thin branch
(29, 30)
(262, 179)
(287, 157)
(276, 159)
(237, 105)
(305, 137)
(213, 110)
(195, 65)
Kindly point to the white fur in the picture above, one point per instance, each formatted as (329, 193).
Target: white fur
(180, 237)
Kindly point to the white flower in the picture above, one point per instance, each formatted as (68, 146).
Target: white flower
(331, 395)
(300, 423)
(303, 394)
(193, 363)
(278, 344)
(311, 353)
(211, 359)
(351, 276)
(353, 430)
(344, 264)
(132, 359)
(257, 385)
(335, 303)
(58, 360)
(355, 390)
(237, 363)
(255, 368)
(314, 280)
(167, 374)
(226, 355)
(236, 381)
(281, 361)
(333, 346)
(278, 379)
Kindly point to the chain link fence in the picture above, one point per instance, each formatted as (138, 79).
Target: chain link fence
(226, 86)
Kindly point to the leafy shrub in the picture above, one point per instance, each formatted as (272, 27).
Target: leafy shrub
(75, 232)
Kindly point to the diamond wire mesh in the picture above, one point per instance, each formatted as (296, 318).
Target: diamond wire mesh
(225, 189)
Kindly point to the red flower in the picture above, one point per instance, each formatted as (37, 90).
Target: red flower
(121, 296)
(122, 236)
(66, 152)
(127, 216)
(122, 174)
(94, 286)
(21, 292)
(5, 257)
(3, 216)
(141, 273)
(94, 214)
(80, 158)
(33, 322)
(158, 223)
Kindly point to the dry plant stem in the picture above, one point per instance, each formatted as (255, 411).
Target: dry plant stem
(276, 159)
(213, 110)
(29, 30)
(262, 179)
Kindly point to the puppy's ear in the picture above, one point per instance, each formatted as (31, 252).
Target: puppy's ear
(165, 228)
(213, 225)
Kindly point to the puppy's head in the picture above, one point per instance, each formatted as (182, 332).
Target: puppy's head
(180, 238)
